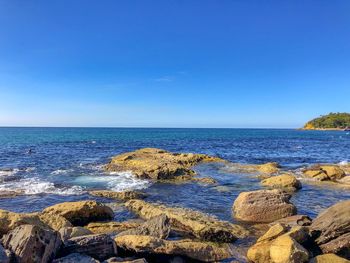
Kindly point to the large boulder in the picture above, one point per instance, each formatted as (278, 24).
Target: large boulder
(111, 227)
(284, 181)
(124, 195)
(285, 249)
(200, 225)
(263, 206)
(54, 221)
(31, 244)
(81, 212)
(207, 252)
(325, 172)
(157, 164)
(76, 258)
(158, 226)
(328, 258)
(99, 246)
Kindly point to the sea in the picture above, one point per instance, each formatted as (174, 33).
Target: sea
(53, 165)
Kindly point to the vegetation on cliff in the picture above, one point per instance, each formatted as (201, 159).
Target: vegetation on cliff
(330, 121)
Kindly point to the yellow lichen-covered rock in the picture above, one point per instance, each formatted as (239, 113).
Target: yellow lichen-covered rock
(285, 249)
(56, 222)
(263, 206)
(329, 258)
(325, 172)
(81, 212)
(334, 172)
(158, 164)
(285, 181)
(207, 252)
(111, 227)
(10, 220)
(273, 232)
(124, 195)
(200, 225)
(268, 168)
(260, 252)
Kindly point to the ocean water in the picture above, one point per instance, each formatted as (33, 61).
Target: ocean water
(64, 163)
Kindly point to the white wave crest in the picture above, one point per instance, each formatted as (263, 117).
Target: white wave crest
(32, 186)
(61, 171)
(116, 181)
(345, 162)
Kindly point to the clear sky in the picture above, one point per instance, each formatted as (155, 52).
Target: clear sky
(173, 63)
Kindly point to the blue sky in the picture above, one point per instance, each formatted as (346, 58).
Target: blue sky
(173, 63)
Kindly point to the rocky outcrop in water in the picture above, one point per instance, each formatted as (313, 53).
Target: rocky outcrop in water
(157, 164)
(285, 181)
(325, 172)
(81, 212)
(207, 252)
(200, 225)
(263, 206)
(125, 195)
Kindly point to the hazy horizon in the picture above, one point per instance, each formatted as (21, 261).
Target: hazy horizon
(173, 64)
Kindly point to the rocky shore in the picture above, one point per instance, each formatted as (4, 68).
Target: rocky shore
(89, 231)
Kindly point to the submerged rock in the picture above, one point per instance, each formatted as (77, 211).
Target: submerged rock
(76, 258)
(81, 212)
(263, 206)
(99, 246)
(158, 164)
(31, 243)
(206, 252)
(265, 170)
(158, 226)
(125, 195)
(284, 181)
(200, 225)
(111, 227)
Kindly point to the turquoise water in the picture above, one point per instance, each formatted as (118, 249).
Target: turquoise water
(66, 162)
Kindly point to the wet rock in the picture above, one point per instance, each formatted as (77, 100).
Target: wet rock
(54, 221)
(76, 258)
(4, 258)
(125, 260)
(206, 252)
(10, 220)
(81, 212)
(10, 193)
(125, 195)
(263, 206)
(332, 223)
(285, 181)
(339, 245)
(328, 258)
(285, 249)
(157, 164)
(296, 220)
(99, 246)
(70, 232)
(200, 225)
(31, 243)
(204, 180)
(325, 172)
(268, 168)
(158, 226)
(111, 227)
(265, 170)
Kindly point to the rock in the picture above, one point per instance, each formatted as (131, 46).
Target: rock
(99, 246)
(10, 220)
(296, 220)
(325, 172)
(125, 260)
(76, 258)
(263, 206)
(54, 221)
(31, 243)
(339, 245)
(4, 258)
(332, 223)
(10, 193)
(202, 226)
(268, 168)
(81, 212)
(285, 181)
(158, 226)
(328, 258)
(125, 195)
(285, 249)
(158, 164)
(206, 252)
(265, 170)
(70, 232)
(111, 227)
(204, 180)
(273, 232)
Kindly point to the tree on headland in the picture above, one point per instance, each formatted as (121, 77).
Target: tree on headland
(330, 121)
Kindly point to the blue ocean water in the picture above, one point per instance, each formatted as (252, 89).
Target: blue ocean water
(53, 165)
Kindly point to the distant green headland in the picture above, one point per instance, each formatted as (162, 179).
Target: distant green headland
(331, 121)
